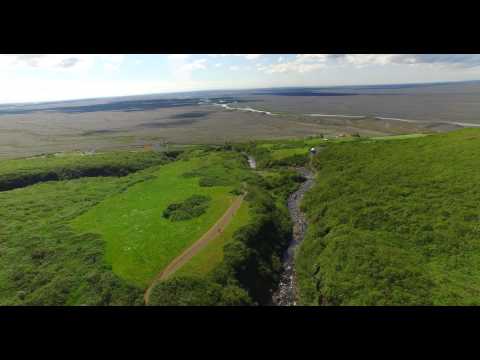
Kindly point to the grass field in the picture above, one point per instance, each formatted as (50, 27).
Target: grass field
(283, 149)
(98, 240)
(284, 153)
(212, 255)
(394, 223)
(28, 171)
(398, 137)
(140, 241)
(74, 159)
(43, 261)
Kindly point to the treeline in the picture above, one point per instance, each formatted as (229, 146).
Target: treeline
(20, 173)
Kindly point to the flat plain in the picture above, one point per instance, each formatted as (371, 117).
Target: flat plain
(193, 118)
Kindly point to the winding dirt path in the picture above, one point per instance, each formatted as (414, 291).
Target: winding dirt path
(186, 255)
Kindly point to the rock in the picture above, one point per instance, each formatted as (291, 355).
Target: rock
(285, 294)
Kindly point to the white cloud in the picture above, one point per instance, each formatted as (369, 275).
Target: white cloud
(452, 60)
(252, 56)
(302, 63)
(181, 69)
(112, 62)
(26, 89)
(234, 68)
(312, 58)
(199, 64)
(246, 56)
(178, 56)
(58, 62)
(218, 65)
(360, 60)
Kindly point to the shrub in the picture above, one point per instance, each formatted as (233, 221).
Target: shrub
(194, 291)
(192, 207)
(393, 223)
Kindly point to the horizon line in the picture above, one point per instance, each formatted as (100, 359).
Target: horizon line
(232, 89)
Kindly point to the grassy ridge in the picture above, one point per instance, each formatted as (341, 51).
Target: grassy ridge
(24, 172)
(65, 242)
(251, 265)
(43, 261)
(395, 223)
(212, 255)
(140, 241)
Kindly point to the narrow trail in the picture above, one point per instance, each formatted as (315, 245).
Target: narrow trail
(187, 254)
(286, 294)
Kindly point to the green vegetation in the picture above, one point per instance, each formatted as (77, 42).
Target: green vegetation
(398, 137)
(196, 291)
(281, 153)
(192, 207)
(248, 267)
(43, 261)
(98, 240)
(285, 153)
(394, 223)
(23, 172)
(140, 241)
(212, 255)
(251, 259)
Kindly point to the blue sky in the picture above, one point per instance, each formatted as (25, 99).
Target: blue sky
(37, 77)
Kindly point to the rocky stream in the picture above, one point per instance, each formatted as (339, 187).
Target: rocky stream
(286, 294)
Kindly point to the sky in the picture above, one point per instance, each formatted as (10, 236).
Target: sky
(51, 77)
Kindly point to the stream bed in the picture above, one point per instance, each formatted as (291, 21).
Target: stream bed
(286, 294)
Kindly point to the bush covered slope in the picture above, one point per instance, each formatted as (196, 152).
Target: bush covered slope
(24, 172)
(140, 241)
(250, 267)
(394, 223)
(43, 261)
(251, 264)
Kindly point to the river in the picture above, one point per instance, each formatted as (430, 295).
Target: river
(286, 294)
(249, 109)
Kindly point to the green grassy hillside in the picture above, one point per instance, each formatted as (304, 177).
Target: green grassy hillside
(97, 240)
(28, 171)
(394, 223)
(212, 255)
(43, 261)
(140, 241)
